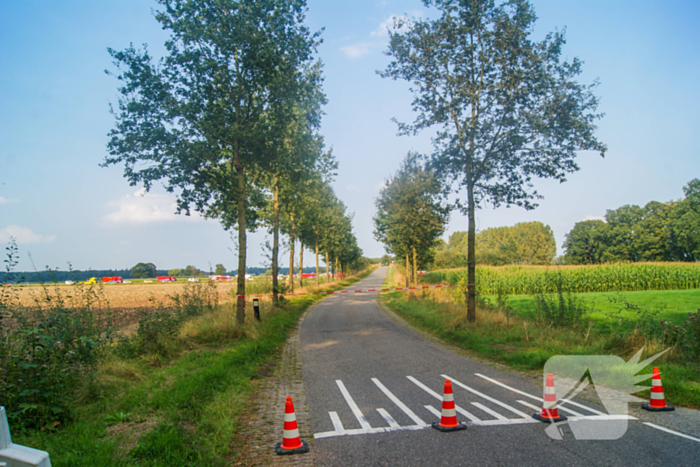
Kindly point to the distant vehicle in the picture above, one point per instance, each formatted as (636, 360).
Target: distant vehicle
(126, 282)
(192, 279)
(92, 280)
(147, 282)
(167, 279)
(220, 278)
(112, 280)
(421, 273)
(311, 275)
(69, 282)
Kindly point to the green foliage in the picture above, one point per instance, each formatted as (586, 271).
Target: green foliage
(190, 271)
(158, 329)
(409, 214)
(47, 350)
(560, 309)
(220, 270)
(656, 232)
(516, 280)
(143, 270)
(175, 272)
(523, 243)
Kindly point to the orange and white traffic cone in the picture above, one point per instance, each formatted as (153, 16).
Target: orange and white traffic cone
(550, 413)
(291, 443)
(448, 421)
(657, 402)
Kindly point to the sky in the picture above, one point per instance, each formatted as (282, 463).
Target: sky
(55, 98)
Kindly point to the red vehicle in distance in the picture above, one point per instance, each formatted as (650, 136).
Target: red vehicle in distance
(166, 279)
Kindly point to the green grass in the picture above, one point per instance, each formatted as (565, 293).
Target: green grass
(522, 343)
(672, 305)
(186, 405)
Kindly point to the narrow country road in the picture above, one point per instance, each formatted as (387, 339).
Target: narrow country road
(373, 386)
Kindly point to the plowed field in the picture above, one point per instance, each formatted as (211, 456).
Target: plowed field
(125, 300)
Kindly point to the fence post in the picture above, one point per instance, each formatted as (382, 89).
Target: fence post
(14, 455)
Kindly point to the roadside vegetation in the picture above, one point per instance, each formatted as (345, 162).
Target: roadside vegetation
(525, 331)
(172, 392)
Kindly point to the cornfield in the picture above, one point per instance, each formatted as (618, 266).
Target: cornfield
(623, 277)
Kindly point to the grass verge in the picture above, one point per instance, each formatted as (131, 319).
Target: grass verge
(524, 344)
(181, 406)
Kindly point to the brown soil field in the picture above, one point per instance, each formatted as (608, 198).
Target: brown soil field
(126, 301)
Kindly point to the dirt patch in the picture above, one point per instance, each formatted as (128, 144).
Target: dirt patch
(129, 433)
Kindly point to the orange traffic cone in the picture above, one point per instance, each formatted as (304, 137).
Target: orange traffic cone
(550, 413)
(291, 443)
(448, 421)
(657, 402)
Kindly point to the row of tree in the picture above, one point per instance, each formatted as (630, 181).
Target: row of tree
(228, 119)
(656, 232)
(523, 243)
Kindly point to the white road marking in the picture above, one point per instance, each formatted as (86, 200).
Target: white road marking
(539, 399)
(358, 414)
(437, 396)
(389, 419)
(497, 402)
(496, 415)
(337, 424)
(672, 432)
(434, 411)
(398, 403)
(538, 409)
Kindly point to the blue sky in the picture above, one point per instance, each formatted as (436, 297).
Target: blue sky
(54, 120)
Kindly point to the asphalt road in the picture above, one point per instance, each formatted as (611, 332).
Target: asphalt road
(366, 411)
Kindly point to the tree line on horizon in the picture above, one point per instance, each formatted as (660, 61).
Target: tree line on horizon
(658, 231)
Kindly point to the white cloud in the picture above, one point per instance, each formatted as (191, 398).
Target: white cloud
(4, 200)
(145, 208)
(594, 218)
(380, 185)
(23, 235)
(357, 50)
(389, 24)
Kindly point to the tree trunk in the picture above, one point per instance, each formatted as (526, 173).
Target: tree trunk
(275, 241)
(240, 302)
(415, 268)
(328, 279)
(471, 257)
(301, 264)
(316, 264)
(408, 270)
(291, 262)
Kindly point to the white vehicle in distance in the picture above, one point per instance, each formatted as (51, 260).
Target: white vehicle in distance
(192, 279)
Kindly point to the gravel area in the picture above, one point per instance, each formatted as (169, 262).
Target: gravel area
(265, 425)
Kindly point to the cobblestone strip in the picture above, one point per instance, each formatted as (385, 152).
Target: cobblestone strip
(265, 425)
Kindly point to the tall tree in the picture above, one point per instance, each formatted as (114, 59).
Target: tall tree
(410, 217)
(201, 118)
(507, 108)
(586, 242)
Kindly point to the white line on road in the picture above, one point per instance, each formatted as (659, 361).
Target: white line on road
(497, 402)
(389, 419)
(337, 424)
(671, 431)
(437, 396)
(399, 404)
(561, 402)
(494, 414)
(434, 411)
(348, 398)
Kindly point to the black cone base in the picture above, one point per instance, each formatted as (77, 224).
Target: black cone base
(539, 417)
(445, 429)
(300, 450)
(668, 408)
